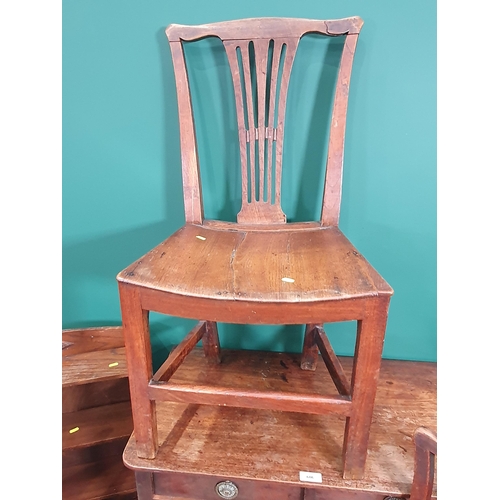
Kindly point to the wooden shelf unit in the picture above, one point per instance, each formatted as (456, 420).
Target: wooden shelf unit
(96, 416)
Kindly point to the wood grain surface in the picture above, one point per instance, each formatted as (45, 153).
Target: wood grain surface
(96, 415)
(277, 274)
(90, 352)
(274, 446)
(239, 265)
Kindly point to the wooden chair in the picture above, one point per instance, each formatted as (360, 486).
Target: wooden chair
(425, 455)
(259, 270)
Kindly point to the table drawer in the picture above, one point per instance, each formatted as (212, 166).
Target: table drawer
(170, 486)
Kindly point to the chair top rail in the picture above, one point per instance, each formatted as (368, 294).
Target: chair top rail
(264, 27)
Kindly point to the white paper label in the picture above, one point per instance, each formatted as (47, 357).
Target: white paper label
(311, 477)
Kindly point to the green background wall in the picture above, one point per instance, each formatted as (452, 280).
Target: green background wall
(121, 166)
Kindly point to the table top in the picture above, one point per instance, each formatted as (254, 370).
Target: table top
(275, 446)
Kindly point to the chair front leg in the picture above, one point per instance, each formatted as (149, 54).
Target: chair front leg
(140, 370)
(366, 367)
(144, 485)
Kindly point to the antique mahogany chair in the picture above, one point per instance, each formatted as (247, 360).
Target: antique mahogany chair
(260, 269)
(424, 464)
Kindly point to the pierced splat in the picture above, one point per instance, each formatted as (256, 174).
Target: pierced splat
(260, 105)
(260, 53)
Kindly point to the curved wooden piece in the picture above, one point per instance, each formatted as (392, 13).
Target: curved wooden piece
(237, 276)
(264, 27)
(423, 475)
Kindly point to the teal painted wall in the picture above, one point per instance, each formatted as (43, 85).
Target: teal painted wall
(121, 165)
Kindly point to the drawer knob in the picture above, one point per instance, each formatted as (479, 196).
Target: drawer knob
(226, 489)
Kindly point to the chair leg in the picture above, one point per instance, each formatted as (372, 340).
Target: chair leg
(211, 344)
(367, 358)
(140, 369)
(309, 358)
(144, 485)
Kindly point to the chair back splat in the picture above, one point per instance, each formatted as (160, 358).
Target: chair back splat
(261, 53)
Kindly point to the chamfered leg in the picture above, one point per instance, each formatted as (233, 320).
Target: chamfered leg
(144, 485)
(140, 369)
(366, 367)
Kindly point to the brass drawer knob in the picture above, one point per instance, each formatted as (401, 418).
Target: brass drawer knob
(226, 489)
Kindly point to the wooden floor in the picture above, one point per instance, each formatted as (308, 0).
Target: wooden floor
(275, 446)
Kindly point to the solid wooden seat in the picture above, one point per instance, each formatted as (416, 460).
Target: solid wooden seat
(259, 270)
(257, 265)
